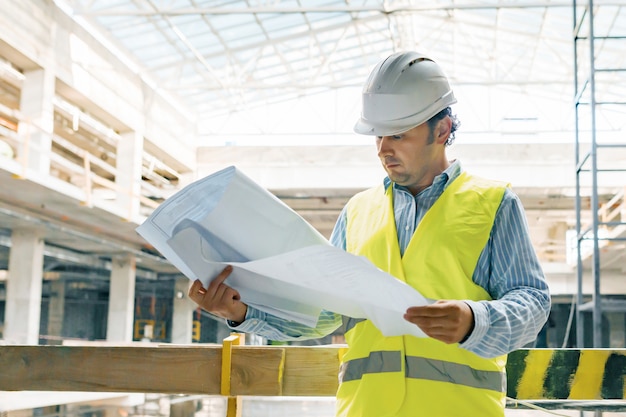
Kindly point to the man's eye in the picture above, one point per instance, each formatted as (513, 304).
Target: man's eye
(394, 137)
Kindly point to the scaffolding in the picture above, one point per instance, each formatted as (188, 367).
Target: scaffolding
(597, 84)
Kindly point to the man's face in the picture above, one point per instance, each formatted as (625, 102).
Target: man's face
(412, 158)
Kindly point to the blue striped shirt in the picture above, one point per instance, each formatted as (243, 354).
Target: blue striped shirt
(508, 269)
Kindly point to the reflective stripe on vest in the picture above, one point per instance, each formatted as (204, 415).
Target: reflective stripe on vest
(456, 373)
(377, 362)
(350, 322)
(423, 368)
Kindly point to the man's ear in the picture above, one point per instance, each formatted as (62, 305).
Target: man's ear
(443, 129)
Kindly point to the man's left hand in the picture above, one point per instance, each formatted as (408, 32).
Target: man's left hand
(449, 321)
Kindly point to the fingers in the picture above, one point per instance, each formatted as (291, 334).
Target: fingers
(220, 293)
(218, 298)
(446, 320)
(439, 309)
(195, 289)
(220, 278)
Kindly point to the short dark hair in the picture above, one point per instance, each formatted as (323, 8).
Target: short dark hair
(432, 123)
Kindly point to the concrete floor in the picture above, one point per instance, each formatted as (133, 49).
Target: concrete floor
(324, 407)
(156, 405)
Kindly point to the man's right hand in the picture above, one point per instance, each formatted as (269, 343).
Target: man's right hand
(218, 298)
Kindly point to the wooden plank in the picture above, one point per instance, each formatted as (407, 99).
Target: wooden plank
(567, 375)
(257, 370)
(311, 371)
(193, 370)
(158, 369)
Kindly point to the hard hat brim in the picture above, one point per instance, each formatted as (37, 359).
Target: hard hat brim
(365, 126)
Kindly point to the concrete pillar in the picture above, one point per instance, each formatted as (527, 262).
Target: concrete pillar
(128, 178)
(24, 281)
(36, 105)
(183, 408)
(56, 309)
(121, 299)
(182, 315)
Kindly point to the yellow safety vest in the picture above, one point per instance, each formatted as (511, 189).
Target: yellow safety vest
(406, 375)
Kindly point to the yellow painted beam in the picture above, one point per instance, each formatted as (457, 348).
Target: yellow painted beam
(567, 374)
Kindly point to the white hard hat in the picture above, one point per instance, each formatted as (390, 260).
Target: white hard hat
(402, 91)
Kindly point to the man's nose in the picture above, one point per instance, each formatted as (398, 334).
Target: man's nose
(383, 144)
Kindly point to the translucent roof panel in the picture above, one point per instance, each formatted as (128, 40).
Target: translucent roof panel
(508, 60)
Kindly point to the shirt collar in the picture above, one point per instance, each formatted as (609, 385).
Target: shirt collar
(442, 180)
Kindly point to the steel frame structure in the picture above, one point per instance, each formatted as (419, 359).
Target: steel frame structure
(592, 96)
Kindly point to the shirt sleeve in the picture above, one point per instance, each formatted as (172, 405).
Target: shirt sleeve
(275, 328)
(509, 270)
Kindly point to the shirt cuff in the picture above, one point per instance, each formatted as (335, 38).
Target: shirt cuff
(481, 324)
(253, 316)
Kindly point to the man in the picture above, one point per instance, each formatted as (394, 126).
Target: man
(456, 238)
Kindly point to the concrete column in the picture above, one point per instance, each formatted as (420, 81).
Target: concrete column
(182, 315)
(121, 299)
(128, 178)
(24, 281)
(56, 309)
(36, 105)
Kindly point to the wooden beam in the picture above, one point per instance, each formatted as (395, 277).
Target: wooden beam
(533, 374)
(167, 370)
(193, 370)
(311, 371)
